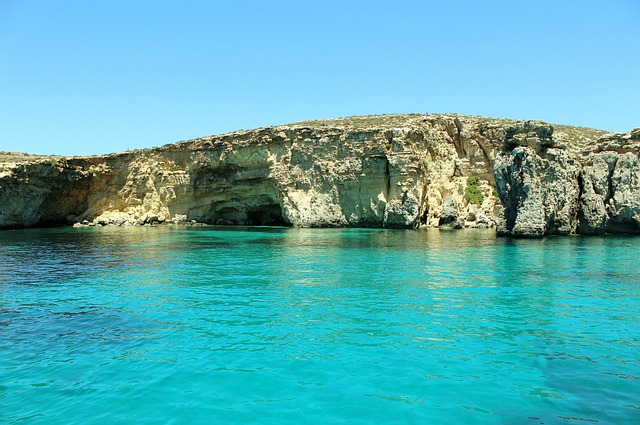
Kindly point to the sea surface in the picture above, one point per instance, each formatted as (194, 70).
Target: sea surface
(215, 325)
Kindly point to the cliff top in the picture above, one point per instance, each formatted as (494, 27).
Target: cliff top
(573, 137)
(19, 157)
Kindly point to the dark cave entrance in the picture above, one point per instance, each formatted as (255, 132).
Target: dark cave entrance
(254, 215)
(265, 215)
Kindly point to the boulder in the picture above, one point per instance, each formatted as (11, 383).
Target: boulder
(450, 216)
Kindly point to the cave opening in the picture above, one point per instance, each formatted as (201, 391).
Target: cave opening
(265, 215)
(254, 215)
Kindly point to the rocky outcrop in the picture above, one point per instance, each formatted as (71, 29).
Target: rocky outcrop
(610, 198)
(537, 183)
(546, 188)
(393, 171)
(450, 216)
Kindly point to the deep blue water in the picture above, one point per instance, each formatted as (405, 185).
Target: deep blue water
(313, 326)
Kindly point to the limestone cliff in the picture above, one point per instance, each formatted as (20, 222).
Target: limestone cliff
(538, 183)
(394, 171)
(610, 195)
(550, 188)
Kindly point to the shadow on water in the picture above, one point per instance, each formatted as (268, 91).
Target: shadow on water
(571, 294)
(62, 253)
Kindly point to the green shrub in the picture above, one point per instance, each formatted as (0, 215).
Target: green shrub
(472, 191)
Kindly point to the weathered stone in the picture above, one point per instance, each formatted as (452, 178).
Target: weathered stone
(381, 171)
(450, 216)
(535, 135)
(539, 193)
(610, 200)
(102, 220)
(179, 219)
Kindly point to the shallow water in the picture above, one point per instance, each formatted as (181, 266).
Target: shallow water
(277, 325)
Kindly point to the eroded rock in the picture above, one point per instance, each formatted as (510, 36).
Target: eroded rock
(610, 199)
(399, 171)
(539, 193)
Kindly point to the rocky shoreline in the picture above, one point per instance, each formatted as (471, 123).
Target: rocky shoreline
(525, 178)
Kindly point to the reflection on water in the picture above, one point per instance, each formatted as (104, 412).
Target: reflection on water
(344, 325)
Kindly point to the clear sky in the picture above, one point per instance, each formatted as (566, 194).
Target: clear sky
(88, 77)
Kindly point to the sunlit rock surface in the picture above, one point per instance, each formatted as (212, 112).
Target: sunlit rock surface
(392, 171)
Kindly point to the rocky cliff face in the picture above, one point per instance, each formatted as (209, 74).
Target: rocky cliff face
(397, 171)
(548, 188)
(610, 195)
(538, 183)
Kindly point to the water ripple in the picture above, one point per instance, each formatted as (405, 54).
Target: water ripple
(296, 325)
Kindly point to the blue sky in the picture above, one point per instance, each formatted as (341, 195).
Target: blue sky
(88, 77)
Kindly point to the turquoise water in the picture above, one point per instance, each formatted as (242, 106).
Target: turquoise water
(303, 326)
